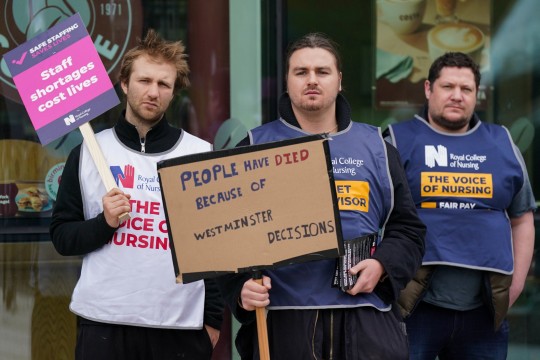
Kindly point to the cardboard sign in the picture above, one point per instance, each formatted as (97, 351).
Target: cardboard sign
(251, 207)
(61, 79)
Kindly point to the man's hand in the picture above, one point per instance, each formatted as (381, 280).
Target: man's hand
(254, 295)
(115, 203)
(213, 334)
(369, 273)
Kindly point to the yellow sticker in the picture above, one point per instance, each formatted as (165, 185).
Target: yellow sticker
(352, 195)
(446, 184)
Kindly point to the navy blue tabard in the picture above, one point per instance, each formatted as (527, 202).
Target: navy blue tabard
(462, 185)
(365, 199)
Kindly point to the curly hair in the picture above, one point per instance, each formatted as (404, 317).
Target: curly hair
(453, 59)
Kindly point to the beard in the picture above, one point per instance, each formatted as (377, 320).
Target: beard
(451, 125)
(143, 114)
(310, 106)
(147, 116)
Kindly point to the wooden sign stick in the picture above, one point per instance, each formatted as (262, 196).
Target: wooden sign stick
(262, 330)
(99, 160)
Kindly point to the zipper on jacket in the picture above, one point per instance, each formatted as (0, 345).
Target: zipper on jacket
(143, 142)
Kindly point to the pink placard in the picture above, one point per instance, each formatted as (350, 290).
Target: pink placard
(61, 79)
(62, 82)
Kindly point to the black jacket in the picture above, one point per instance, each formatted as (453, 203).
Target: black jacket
(71, 234)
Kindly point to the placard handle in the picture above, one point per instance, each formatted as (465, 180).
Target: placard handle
(262, 330)
(99, 160)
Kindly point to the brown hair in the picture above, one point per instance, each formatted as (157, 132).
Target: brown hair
(453, 59)
(160, 50)
(314, 40)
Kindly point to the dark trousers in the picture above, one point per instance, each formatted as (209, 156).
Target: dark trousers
(331, 334)
(122, 342)
(455, 335)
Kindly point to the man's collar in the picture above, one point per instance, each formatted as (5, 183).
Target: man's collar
(131, 129)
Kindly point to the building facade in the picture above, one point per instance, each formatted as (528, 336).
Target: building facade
(236, 50)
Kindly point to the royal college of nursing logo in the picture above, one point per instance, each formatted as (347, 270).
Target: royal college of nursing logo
(436, 155)
(125, 176)
(439, 156)
(113, 26)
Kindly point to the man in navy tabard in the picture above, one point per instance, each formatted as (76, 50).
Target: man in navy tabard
(308, 318)
(471, 189)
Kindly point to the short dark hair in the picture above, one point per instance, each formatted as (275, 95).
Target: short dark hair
(159, 49)
(453, 59)
(313, 40)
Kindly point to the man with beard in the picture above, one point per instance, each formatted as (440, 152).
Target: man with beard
(471, 189)
(128, 303)
(309, 318)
